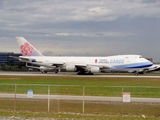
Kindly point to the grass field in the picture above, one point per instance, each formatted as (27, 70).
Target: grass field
(139, 87)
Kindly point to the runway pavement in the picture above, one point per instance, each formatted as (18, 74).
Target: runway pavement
(72, 74)
(86, 98)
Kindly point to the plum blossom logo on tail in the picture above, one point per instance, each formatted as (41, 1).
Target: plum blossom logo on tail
(26, 49)
(96, 60)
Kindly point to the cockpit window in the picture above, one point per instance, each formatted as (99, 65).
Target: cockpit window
(140, 56)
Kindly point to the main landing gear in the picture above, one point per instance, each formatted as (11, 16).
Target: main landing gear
(136, 73)
(43, 71)
(82, 72)
(57, 70)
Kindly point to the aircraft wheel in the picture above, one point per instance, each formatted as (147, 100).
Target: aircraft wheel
(57, 70)
(136, 74)
(90, 73)
(81, 72)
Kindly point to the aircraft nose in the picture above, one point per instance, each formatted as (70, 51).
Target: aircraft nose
(147, 62)
(150, 63)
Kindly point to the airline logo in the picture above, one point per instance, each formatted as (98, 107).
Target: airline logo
(101, 61)
(112, 61)
(26, 49)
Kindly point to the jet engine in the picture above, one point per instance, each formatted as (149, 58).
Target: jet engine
(70, 68)
(44, 69)
(93, 69)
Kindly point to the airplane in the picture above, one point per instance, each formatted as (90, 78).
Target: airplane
(81, 65)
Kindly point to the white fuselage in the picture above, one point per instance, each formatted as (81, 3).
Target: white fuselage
(82, 65)
(117, 62)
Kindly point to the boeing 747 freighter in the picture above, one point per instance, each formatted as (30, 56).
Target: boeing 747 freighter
(81, 65)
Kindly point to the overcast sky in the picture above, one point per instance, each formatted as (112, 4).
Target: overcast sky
(82, 27)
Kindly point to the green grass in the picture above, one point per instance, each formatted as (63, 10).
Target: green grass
(29, 115)
(138, 87)
(94, 81)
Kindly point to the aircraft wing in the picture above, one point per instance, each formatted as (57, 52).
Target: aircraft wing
(33, 61)
(14, 57)
(23, 59)
(58, 64)
(93, 65)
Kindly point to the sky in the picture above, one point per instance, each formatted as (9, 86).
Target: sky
(82, 27)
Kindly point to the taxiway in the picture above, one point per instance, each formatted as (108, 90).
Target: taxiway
(72, 74)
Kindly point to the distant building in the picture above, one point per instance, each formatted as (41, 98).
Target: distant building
(5, 57)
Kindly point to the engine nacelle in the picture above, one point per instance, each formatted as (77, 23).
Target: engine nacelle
(93, 69)
(70, 68)
(45, 68)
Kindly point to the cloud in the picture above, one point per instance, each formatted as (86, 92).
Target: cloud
(101, 34)
(85, 27)
(71, 10)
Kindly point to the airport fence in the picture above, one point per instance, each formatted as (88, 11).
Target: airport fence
(81, 99)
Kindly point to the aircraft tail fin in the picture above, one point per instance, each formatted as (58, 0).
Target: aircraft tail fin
(26, 48)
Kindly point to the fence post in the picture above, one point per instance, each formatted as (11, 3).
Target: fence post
(48, 98)
(83, 97)
(58, 106)
(122, 101)
(15, 89)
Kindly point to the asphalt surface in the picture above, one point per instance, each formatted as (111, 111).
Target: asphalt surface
(69, 97)
(72, 74)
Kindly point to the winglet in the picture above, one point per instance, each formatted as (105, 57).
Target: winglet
(26, 48)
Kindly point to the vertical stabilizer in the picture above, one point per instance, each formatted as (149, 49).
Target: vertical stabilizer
(26, 48)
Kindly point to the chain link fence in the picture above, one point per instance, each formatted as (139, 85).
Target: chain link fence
(81, 99)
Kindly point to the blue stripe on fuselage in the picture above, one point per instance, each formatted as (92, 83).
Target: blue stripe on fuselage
(134, 65)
